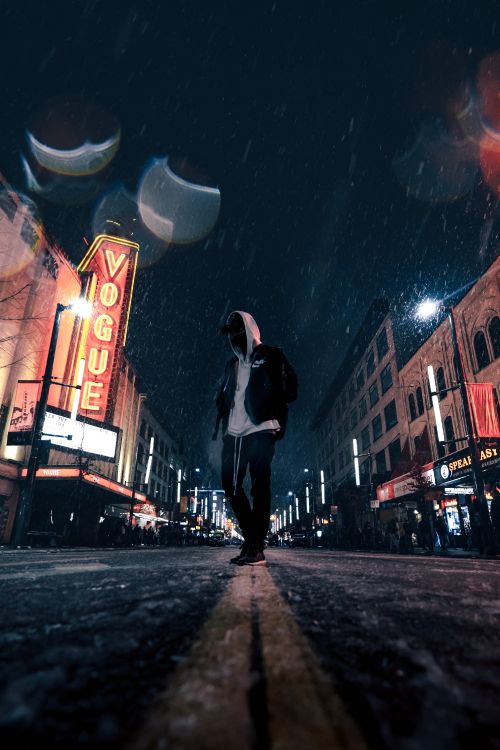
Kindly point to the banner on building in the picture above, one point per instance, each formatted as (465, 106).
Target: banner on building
(484, 407)
(22, 420)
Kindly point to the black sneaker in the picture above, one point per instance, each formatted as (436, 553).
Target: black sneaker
(253, 557)
(243, 551)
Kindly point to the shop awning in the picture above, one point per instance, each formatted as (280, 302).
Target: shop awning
(73, 472)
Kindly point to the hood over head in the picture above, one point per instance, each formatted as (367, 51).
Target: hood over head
(252, 333)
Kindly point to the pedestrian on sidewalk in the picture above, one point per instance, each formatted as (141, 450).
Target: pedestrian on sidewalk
(493, 490)
(252, 406)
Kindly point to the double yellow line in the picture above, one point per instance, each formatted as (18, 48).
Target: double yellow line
(250, 682)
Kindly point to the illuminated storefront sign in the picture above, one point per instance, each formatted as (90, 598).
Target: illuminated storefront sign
(89, 438)
(71, 472)
(112, 261)
(458, 464)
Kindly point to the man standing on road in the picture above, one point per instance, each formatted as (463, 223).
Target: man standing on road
(252, 405)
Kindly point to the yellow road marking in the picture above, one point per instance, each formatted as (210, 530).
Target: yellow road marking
(250, 682)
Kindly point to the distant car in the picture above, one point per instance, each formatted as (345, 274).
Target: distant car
(298, 540)
(216, 541)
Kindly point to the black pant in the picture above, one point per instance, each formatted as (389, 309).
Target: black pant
(254, 451)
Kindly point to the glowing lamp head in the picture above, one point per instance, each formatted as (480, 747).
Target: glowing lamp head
(427, 309)
(81, 307)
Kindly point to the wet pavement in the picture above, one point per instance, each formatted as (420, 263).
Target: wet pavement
(175, 647)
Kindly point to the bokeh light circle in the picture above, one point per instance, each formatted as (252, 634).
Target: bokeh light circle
(72, 137)
(174, 209)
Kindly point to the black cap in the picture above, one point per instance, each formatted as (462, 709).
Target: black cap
(234, 324)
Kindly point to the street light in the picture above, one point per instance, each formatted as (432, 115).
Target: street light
(426, 310)
(372, 498)
(82, 309)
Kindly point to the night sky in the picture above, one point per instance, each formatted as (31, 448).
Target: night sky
(303, 114)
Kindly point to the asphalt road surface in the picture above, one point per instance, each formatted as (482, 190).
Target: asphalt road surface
(163, 648)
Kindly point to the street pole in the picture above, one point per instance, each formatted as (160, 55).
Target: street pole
(477, 474)
(372, 497)
(24, 507)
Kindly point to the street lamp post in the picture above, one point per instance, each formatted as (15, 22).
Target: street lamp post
(426, 310)
(372, 496)
(24, 507)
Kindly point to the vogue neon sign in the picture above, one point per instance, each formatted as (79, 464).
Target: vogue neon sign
(112, 261)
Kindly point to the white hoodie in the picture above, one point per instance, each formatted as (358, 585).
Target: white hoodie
(240, 423)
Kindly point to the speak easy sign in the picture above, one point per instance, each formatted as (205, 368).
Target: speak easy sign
(112, 263)
(459, 464)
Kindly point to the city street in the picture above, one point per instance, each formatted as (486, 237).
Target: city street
(176, 648)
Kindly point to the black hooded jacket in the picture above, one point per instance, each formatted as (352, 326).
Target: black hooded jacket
(271, 387)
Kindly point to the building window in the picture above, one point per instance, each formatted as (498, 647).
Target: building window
(362, 408)
(382, 345)
(494, 332)
(380, 462)
(373, 394)
(412, 407)
(365, 438)
(339, 436)
(440, 383)
(376, 427)
(420, 401)
(450, 434)
(354, 418)
(391, 417)
(332, 467)
(352, 392)
(439, 446)
(386, 378)
(394, 453)
(337, 412)
(370, 363)
(345, 429)
(360, 378)
(143, 429)
(341, 460)
(481, 349)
